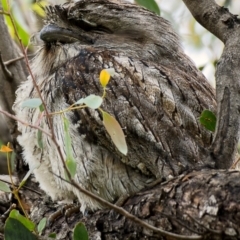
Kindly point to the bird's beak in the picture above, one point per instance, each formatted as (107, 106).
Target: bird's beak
(54, 33)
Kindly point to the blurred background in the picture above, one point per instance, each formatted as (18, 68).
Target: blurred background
(199, 44)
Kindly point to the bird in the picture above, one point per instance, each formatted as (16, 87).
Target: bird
(156, 95)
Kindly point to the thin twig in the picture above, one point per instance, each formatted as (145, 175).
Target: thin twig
(205, 227)
(24, 123)
(23, 186)
(7, 73)
(13, 60)
(4, 13)
(180, 222)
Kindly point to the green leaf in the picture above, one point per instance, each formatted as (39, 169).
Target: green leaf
(17, 16)
(208, 120)
(15, 230)
(52, 235)
(30, 171)
(39, 139)
(91, 101)
(4, 187)
(32, 103)
(12, 162)
(22, 33)
(80, 101)
(41, 108)
(67, 137)
(111, 71)
(70, 161)
(41, 225)
(150, 5)
(27, 223)
(80, 232)
(72, 166)
(66, 176)
(115, 131)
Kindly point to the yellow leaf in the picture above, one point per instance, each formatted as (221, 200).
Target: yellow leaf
(115, 131)
(5, 149)
(104, 77)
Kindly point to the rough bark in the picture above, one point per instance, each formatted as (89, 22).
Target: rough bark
(201, 204)
(226, 27)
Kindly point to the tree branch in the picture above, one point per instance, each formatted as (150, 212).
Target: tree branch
(218, 20)
(225, 26)
(203, 202)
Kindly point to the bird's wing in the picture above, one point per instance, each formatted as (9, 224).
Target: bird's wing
(156, 106)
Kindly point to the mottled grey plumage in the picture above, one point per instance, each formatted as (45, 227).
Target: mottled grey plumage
(157, 96)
